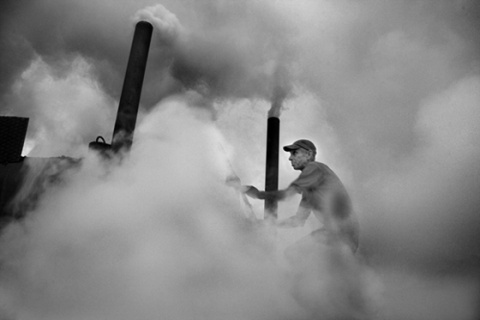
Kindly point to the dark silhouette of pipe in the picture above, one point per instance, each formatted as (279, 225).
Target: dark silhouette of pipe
(132, 87)
(271, 171)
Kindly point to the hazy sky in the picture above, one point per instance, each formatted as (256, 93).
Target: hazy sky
(388, 90)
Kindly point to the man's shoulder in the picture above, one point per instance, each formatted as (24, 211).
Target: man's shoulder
(314, 168)
(315, 165)
(318, 169)
(312, 175)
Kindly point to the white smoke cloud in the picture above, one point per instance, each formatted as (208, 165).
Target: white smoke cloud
(432, 189)
(387, 90)
(159, 235)
(72, 107)
(167, 24)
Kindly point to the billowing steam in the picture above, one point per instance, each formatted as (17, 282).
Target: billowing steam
(227, 62)
(167, 24)
(388, 90)
(281, 89)
(159, 235)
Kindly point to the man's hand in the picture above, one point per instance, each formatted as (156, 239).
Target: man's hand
(250, 191)
(234, 181)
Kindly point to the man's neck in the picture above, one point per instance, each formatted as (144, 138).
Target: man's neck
(306, 164)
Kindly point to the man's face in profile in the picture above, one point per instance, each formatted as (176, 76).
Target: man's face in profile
(299, 158)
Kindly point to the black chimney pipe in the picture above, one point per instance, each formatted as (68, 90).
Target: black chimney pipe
(132, 87)
(271, 172)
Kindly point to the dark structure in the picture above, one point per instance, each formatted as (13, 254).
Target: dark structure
(18, 197)
(130, 97)
(12, 136)
(271, 171)
(132, 87)
(11, 180)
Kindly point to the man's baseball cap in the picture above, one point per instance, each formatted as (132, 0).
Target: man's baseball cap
(303, 144)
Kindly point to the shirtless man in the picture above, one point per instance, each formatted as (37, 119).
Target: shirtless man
(322, 193)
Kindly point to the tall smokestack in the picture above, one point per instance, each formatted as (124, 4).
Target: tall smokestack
(271, 172)
(132, 87)
(280, 91)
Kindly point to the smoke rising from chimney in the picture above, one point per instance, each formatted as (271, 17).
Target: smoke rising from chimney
(387, 89)
(281, 89)
(167, 24)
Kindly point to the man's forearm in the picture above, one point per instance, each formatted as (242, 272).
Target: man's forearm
(263, 195)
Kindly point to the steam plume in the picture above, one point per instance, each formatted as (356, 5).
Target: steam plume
(159, 235)
(281, 89)
(167, 24)
(387, 89)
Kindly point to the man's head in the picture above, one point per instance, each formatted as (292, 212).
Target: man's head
(301, 153)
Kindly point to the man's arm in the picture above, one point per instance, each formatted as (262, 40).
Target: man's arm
(298, 220)
(253, 192)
